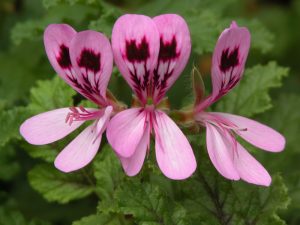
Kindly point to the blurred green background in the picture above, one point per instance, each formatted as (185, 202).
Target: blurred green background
(275, 30)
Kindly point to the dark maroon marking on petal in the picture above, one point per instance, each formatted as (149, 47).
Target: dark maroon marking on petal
(229, 59)
(137, 53)
(167, 53)
(64, 59)
(89, 60)
(86, 89)
(138, 85)
(167, 50)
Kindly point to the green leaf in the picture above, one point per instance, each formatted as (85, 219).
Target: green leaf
(51, 3)
(10, 121)
(251, 96)
(100, 219)
(261, 38)
(45, 152)
(56, 186)
(8, 164)
(212, 199)
(10, 216)
(19, 71)
(276, 198)
(28, 30)
(108, 173)
(106, 21)
(50, 95)
(285, 118)
(149, 205)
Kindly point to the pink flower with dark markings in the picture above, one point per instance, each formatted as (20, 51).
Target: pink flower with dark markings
(150, 54)
(227, 155)
(84, 60)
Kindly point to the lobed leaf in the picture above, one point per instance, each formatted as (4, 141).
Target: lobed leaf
(56, 186)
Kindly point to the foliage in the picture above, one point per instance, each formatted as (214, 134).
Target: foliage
(34, 192)
(251, 96)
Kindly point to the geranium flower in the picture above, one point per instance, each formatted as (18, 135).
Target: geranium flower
(228, 156)
(84, 60)
(150, 54)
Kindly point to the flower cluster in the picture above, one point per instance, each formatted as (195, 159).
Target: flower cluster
(150, 53)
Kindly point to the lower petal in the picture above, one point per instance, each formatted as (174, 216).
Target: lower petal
(174, 153)
(250, 169)
(125, 131)
(48, 127)
(220, 151)
(257, 134)
(80, 151)
(133, 165)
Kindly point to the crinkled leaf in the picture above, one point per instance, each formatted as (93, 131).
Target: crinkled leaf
(56, 186)
(49, 95)
(10, 121)
(149, 205)
(108, 173)
(211, 199)
(285, 118)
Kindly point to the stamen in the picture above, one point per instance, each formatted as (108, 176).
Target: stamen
(81, 114)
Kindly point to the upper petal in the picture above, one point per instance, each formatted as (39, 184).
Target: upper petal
(80, 151)
(229, 59)
(125, 131)
(174, 153)
(48, 127)
(220, 151)
(250, 169)
(175, 48)
(134, 163)
(57, 40)
(135, 44)
(256, 133)
(92, 59)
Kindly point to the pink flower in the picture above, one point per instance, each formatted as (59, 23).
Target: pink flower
(84, 60)
(151, 54)
(227, 155)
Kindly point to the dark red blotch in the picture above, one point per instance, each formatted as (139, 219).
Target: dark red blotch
(64, 57)
(229, 59)
(89, 60)
(137, 53)
(167, 50)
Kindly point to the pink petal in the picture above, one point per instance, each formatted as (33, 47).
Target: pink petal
(57, 40)
(220, 150)
(125, 131)
(92, 59)
(80, 151)
(48, 127)
(135, 44)
(250, 169)
(133, 164)
(175, 48)
(257, 134)
(229, 59)
(174, 154)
